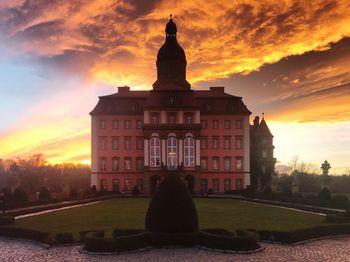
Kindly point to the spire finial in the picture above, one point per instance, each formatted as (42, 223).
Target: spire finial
(263, 115)
(171, 17)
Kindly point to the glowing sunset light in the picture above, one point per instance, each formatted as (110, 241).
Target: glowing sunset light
(289, 59)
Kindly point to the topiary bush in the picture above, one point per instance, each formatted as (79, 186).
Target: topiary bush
(7, 220)
(44, 195)
(324, 194)
(171, 209)
(19, 197)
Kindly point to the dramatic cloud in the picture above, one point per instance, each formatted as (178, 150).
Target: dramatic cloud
(220, 38)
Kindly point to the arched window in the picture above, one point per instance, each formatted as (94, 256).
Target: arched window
(172, 152)
(154, 149)
(189, 151)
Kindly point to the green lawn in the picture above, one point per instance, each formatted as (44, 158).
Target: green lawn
(130, 213)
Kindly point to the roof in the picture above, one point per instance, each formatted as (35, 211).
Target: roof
(263, 129)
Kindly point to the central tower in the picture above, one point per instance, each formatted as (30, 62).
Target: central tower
(171, 62)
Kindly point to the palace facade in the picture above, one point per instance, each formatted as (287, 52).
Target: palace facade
(202, 135)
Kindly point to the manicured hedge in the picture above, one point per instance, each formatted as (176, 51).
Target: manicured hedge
(337, 218)
(11, 231)
(125, 232)
(7, 220)
(64, 238)
(305, 234)
(221, 239)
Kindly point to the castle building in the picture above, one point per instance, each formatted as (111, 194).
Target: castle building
(140, 136)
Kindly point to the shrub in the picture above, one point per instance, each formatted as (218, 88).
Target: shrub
(20, 197)
(210, 191)
(218, 231)
(10, 231)
(7, 220)
(337, 218)
(304, 234)
(135, 191)
(64, 238)
(125, 232)
(244, 242)
(73, 193)
(171, 209)
(339, 201)
(324, 194)
(267, 191)
(44, 195)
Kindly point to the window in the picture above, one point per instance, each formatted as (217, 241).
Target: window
(208, 107)
(115, 142)
(102, 124)
(239, 184)
(172, 151)
(139, 143)
(115, 124)
(139, 184)
(215, 163)
(103, 164)
(127, 163)
(264, 154)
(171, 118)
(127, 142)
(189, 151)
(115, 185)
(138, 124)
(227, 142)
(188, 118)
(227, 185)
(127, 184)
(227, 124)
(127, 124)
(204, 142)
(204, 163)
(139, 164)
(216, 186)
(103, 141)
(239, 162)
(204, 124)
(134, 107)
(215, 124)
(154, 118)
(204, 185)
(103, 185)
(227, 163)
(115, 164)
(239, 124)
(154, 151)
(239, 143)
(216, 142)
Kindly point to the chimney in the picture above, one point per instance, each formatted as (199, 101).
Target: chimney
(123, 89)
(217, 89)
(256, 121)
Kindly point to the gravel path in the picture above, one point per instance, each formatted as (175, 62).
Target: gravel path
(335, 249)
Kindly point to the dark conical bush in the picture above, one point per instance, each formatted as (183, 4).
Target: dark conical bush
(171, 209)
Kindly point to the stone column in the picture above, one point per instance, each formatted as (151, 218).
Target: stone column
(198, 152)
(163, 152)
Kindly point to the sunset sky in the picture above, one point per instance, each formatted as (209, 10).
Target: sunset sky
(289, 59)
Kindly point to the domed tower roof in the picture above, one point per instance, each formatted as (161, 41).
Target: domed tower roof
(171, 62)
